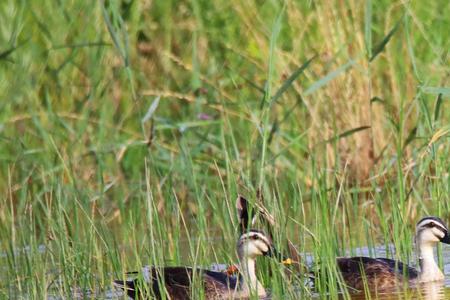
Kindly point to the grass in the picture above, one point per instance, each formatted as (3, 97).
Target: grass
(128, 128)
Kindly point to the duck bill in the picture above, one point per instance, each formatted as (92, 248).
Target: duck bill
(446, 239)
(274, 253)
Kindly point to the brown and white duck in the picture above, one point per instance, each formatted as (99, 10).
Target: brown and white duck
(384, 273)
(176, 282)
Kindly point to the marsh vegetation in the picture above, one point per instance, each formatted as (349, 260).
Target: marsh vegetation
(128, 128)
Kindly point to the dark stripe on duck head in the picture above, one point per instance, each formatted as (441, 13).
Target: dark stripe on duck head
(255, 234)
(433, 222)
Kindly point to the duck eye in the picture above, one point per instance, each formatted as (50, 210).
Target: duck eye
(432, 224)
(254, 237)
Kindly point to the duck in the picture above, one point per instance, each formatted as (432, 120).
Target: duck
(383, 273)
(176, 282)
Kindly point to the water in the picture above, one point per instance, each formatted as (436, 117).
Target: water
(434, 290)
(429, 291)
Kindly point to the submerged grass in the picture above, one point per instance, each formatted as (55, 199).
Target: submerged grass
(332, 115)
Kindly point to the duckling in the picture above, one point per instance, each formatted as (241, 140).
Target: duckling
(175, 282)
(383, 273)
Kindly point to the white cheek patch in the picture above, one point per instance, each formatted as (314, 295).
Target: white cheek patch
(265, 248)
(427, 235)
(253, 249)
(262, 246)
(438, 233)
(431, 234)
(249, 249)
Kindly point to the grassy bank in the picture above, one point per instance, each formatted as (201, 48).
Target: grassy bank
(127, 129)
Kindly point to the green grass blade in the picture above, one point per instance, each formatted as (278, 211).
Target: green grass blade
(444, 91)
(8, 52)
(409, 44)
(437, 108)
(330, 76)
(288, 82)
(411, 136)
(345, 134)
(113, 34)
(368, 27)
(380, 47)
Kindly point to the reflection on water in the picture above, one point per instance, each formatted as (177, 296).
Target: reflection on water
(428, 291)
(434, 290)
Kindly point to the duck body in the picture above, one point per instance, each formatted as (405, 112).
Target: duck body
(374, 273)
(176, 282)
(383, 273)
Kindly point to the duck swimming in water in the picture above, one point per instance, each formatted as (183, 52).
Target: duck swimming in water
(176, 282)
(382, 273)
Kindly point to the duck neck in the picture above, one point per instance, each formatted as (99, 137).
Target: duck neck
(248, 271)
(429, 270)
